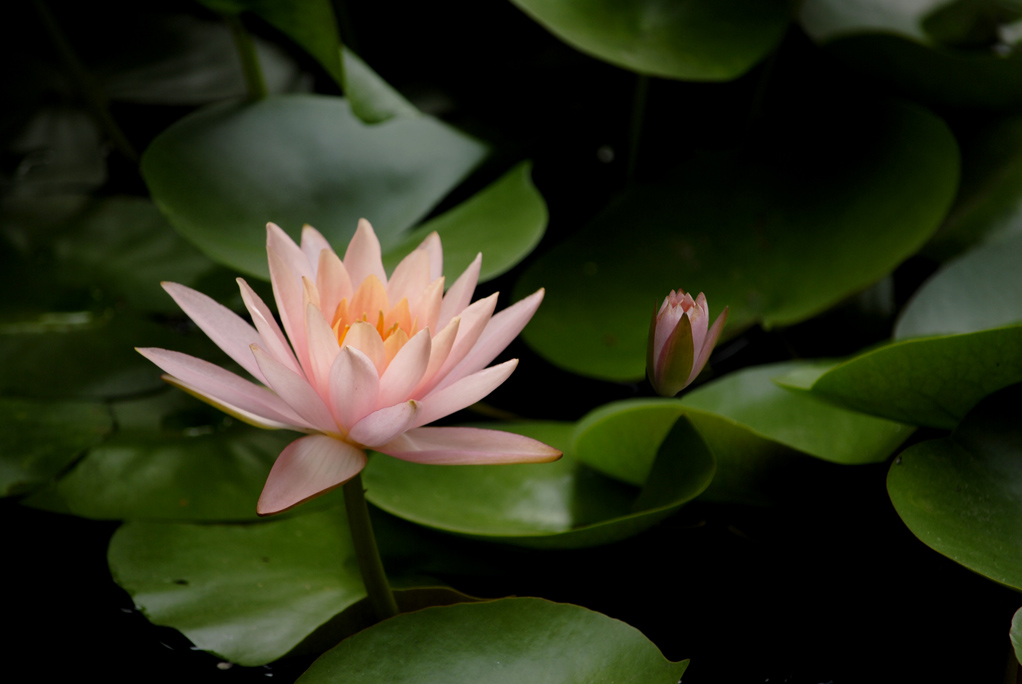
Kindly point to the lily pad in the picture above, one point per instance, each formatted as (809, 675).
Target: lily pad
(38, 440)
(962, 495)
(976, 291)
(692, 40)
(173, 458)
(847, 210)
(562, 504)
(797, 419)
(309, 23)
(1016, 635)
(85, 354)
(931, 381)
(510, 640)
(505, 221)
(372, 99)
(220, 174)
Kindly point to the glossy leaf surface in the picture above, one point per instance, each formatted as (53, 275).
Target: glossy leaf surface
(510, 640)
(962, 495)
(847, 212)
(559, 504)
(221, 173)
(694, 40)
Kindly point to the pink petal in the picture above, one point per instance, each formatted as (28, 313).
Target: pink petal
(379, 427)
(323, 348)
(431, 245)
(502, 328)
(440, 349)
(273, 338)
(427, 308)
(354, 386)
(363, 257)
(227, 329)
(313, 243)
(465, 392)
(287, 266)
(308, 467)
(409, 279)
(460, 293)
(366, 338)
(708, 344)
(406, 369)
(212, 382)
(229, 409)
(699, 317)
(474, 320)
(296, 392)
(333, 283)
(466, 446)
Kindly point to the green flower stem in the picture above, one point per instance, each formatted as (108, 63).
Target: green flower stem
(638, 114)
(368, 555)
(82, 81)
(255, 84)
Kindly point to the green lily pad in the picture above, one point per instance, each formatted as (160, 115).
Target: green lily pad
(847, 211)
(220, 174)
(251, 593)
(372, 99)
(977, 291)
(989, 202)
(798, 419)
(505, 221)
(692, 40)
(510, 640)
(931, 381)
(309, 23)
(173, 458)
(38, 440)
(86, 355)
(962, 495)
(563, 504)
(947, 53)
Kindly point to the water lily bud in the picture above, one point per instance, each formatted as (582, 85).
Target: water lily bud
(679, 342)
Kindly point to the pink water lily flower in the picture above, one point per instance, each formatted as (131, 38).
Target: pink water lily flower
(679, 342)
(367, 361)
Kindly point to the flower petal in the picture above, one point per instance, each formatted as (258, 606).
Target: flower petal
(363, 257)
(426, 309)
(308, 467)
(674, 365)
(431, 246)
(708, 344)
(474, 320)
(365, 338)
(465, 392)
(230, 409)
(459, 295)
(502, 328)
(379, 427)
(313, 243)
(700, 319)
(465, 446)
(440, 349)
(333, 283)
(228, 330)
(296, 392)
(288, 266)
(209, 381)
(323, 348)
(354, 386)
(406, 370)
(273, 338)
(410, 278)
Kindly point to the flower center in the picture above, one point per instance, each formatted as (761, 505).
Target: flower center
(369, 304)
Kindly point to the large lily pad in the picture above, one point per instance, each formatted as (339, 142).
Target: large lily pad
(504, 221)
(979, 290)
(952, 53)
(372, 99)
(39, 439)
(220, 174)
(510, 640)
(797, 419)
(930, 381)
(693, 40)
(173, 458)
(962, 495)
(847, 211)
(561, 504)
